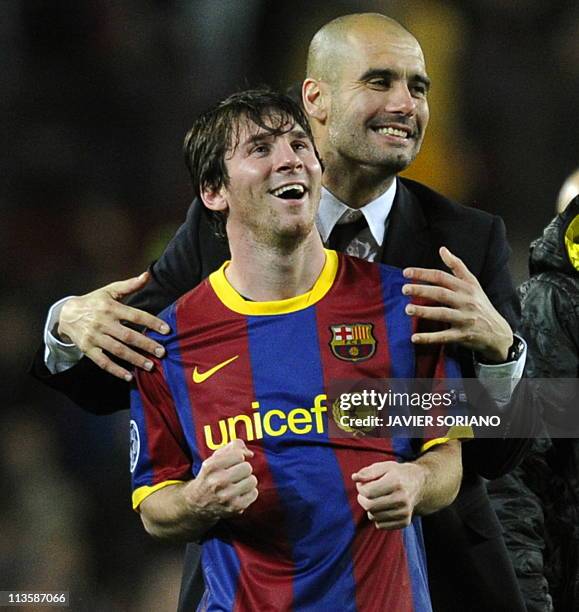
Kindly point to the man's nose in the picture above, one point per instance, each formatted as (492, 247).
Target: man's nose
(400, 100)
(287, 158)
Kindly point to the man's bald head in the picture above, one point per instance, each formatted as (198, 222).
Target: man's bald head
(330, 46)
(569, 190)
(366, 96)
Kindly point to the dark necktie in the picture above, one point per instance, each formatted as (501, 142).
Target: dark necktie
(352, 235)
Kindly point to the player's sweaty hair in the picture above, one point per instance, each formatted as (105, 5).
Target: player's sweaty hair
(215, 136)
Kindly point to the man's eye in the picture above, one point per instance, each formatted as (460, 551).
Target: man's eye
(260, 149)
(419, 90)
(299, 145)
(380, 83)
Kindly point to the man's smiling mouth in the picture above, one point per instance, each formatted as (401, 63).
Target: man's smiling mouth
(391, 131)
(292, 191)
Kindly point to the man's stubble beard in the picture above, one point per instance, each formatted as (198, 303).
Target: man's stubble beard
(358, 152)
(382, 162)
(270, 235)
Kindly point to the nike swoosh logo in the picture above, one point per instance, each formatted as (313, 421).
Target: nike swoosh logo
(199, 377)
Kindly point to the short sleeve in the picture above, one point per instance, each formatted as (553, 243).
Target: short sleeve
(437, 361)
(159, 454)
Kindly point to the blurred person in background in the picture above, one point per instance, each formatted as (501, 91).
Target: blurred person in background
(538, 503)
(366, 95)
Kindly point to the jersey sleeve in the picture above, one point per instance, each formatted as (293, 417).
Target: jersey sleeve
(437, 362)
(158, 450)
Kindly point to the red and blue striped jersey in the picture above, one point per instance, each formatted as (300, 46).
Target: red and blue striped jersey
(261, 371)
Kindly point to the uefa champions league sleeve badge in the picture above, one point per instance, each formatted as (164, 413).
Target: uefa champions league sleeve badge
(135, 445)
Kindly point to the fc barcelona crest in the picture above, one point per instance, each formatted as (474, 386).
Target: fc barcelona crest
(353, 342)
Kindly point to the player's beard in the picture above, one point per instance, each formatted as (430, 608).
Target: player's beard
(276, 230)
(285, 237)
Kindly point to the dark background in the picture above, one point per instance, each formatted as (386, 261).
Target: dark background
(96, 97)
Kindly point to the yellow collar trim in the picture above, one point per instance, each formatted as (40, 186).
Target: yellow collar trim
(227, 294)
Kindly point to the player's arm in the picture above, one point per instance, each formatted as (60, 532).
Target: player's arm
(392, 492)
(224, 487)
(441, 468)
(172, 504)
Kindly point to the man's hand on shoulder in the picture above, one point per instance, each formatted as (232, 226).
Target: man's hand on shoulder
(473, 321)
(95, 323)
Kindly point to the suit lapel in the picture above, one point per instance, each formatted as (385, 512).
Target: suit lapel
(407, 240)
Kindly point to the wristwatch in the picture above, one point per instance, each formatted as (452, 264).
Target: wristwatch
(515, 350)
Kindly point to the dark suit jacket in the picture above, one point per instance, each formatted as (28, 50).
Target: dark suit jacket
(468, 565)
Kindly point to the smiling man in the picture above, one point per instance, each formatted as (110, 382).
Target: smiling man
(294, 513)
(366, 92)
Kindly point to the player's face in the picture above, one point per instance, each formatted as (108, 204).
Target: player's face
(274, 184)
(379, 110)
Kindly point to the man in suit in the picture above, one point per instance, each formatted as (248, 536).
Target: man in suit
(366, 96)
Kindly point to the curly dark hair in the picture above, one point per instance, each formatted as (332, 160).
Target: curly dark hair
(216, 133)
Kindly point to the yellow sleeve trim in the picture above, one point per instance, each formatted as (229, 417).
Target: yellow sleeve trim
(142, 493)
(428, 445)
(227, 294)
(454, 433)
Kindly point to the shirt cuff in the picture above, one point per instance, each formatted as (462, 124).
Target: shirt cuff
(500, 380)
(58, 356)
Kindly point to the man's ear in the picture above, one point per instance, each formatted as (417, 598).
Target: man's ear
(214, 199)
(315, 97)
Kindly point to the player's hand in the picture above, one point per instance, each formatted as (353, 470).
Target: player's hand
(94, 323)
(389, 492)
(225, 485)
(473, 321)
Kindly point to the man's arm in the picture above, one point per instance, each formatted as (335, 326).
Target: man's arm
(492, 458)
(391, 492)
(473, 322)
(225, 487)
(171, 503)
(177, 270)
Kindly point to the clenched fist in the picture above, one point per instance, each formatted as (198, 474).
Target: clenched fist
(389, 492)
(225, 485)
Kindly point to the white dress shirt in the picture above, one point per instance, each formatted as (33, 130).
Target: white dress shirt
(375, 213)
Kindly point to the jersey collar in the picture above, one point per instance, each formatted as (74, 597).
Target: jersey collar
(230, 298)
